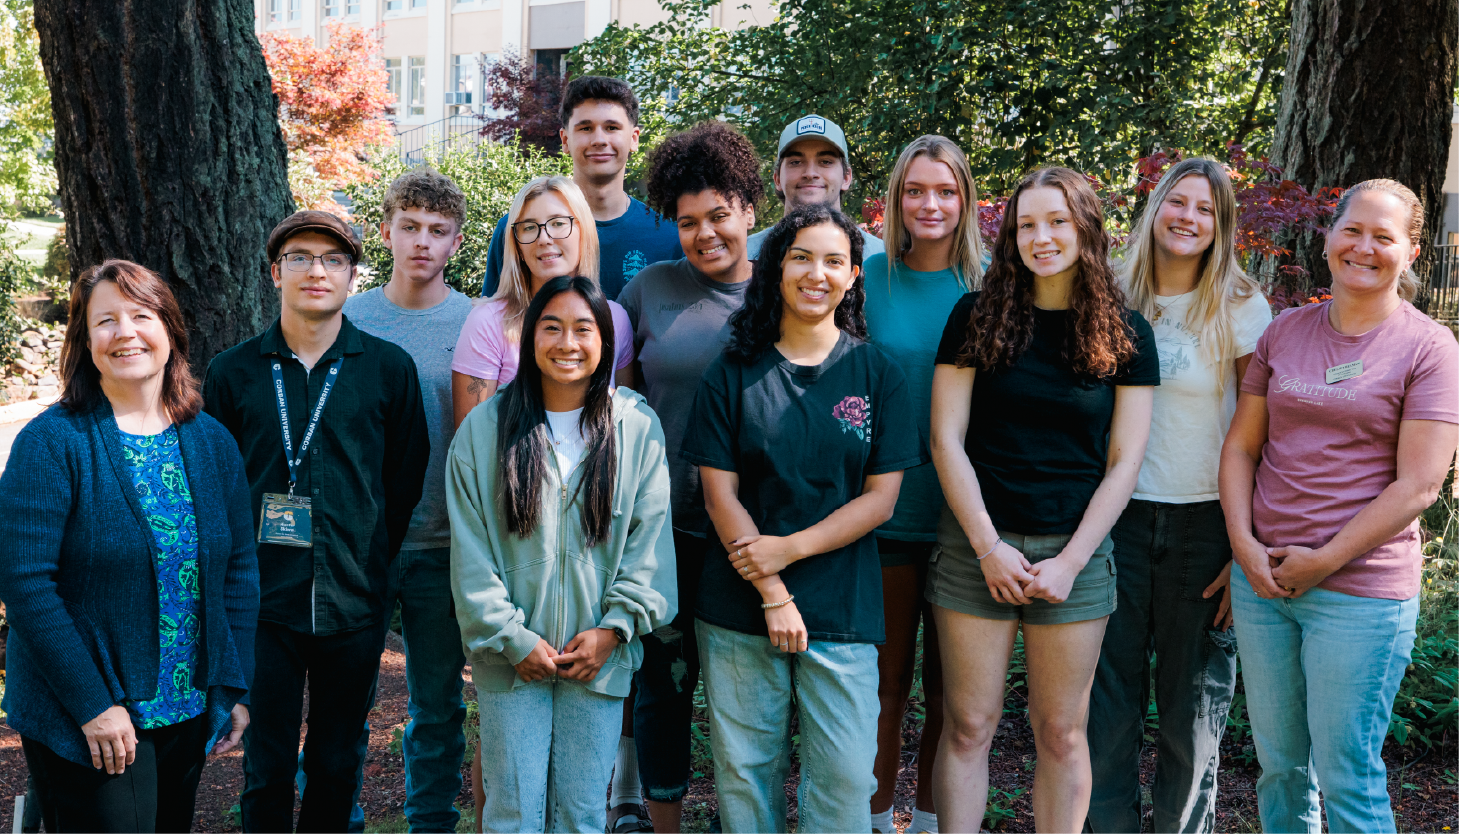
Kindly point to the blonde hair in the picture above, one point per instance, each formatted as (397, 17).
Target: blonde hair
(967, 249)
(1221, 284)
(1408, 282)
(515, 288)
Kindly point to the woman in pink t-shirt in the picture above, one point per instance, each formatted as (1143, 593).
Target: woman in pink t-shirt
(1347, 421)
(550, 233)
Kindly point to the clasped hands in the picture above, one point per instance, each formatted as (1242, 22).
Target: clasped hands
(1288, 571)
(758, 557)
(1014, 581)
(579, 660)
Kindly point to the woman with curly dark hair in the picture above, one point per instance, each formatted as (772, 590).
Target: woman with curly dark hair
(707, 181)
(801, 431)
(1041, 402)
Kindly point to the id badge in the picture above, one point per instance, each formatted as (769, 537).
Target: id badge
(285, 520)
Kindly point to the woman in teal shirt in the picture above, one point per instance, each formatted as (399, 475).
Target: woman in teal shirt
(934, 255)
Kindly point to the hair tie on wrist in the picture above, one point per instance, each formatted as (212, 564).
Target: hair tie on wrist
(990, 550)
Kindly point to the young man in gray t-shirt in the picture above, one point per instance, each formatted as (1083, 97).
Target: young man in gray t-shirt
(424, 215)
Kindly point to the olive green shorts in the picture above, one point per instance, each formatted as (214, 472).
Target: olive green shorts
(955, 579)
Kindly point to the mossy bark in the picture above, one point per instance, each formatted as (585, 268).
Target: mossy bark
(169, 152)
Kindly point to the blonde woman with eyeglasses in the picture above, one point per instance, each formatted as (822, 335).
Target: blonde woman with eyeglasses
(550, 234)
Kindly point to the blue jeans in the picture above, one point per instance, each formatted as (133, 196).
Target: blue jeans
(547, 752)
(752, 688)
(1321, 672)
(434, 742)
(1165, 555)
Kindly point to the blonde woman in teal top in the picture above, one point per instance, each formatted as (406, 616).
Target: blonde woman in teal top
(934, 255)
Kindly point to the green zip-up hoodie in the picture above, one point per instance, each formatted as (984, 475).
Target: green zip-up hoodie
(511, 591)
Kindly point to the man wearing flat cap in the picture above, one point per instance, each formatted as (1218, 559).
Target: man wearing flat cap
(333, 434)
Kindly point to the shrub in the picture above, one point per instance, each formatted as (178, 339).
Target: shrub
(15, 277)
(1427, 707)
(490, 175)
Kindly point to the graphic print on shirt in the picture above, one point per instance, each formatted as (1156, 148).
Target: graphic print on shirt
(633, 262)
(1172, 338)
(1291, 384)
(854, 415)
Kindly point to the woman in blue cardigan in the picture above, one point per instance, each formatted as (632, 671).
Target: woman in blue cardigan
(128, 571)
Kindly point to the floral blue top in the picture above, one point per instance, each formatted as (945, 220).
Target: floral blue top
(155, 462)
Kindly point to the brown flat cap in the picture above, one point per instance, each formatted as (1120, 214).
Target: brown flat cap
(313, 221)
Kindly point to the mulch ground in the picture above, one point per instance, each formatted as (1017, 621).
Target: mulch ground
(1423, 784)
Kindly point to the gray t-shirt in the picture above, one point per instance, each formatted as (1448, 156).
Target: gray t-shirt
(870, 244)
(680, 324)
(429, 336)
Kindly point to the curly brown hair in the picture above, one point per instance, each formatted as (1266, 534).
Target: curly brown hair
(425, 188)
(710, 156)
(1001, 325)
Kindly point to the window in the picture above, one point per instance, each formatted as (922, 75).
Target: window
(417, 4)
(352, 7)
(295, 10)
(415, 86)
(394, 5)
(332, 8)
(553, 61)
(275, 11)
(461, 94)
(392, 66)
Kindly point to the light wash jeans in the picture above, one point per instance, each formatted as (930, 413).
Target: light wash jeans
(751, 689)
(434, 742)
(1321, 672)
(547, 752)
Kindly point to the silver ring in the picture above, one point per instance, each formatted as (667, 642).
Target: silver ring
(745, 570)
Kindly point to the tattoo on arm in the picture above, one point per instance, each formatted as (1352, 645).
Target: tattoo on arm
(476, 386)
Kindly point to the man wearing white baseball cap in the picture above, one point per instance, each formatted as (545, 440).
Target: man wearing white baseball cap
(812, 166)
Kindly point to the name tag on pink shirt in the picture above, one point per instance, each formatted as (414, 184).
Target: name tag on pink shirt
(1338, 373)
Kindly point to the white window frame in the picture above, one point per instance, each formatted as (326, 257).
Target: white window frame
(415, 86)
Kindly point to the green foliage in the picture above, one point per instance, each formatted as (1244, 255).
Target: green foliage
(15, 277)
(1017, 84)
(27, 173)
(1427, 706)
(490, 174)
(1000, 806)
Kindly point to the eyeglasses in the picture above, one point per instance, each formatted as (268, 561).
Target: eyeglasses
(301, 262)
(556, 228)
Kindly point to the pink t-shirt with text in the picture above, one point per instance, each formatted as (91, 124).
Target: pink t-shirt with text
(1332, 448)
(484, 351)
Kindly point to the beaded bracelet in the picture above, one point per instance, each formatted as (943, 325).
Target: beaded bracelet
(783, 602)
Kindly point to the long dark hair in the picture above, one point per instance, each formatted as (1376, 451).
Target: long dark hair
(1001, 324)
(81, 381)
(522, 443)
(756, 326)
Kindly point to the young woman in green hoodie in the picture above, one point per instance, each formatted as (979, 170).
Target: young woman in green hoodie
(561, 559)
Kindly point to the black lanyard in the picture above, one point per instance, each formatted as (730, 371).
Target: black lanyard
(313, 419)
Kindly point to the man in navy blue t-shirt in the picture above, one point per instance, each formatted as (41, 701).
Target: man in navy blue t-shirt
(600, 131)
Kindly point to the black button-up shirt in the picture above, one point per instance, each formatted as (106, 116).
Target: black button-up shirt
(363, 470)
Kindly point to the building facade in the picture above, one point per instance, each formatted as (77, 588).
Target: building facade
(435, 49)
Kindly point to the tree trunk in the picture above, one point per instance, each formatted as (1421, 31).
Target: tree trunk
(169, 152)
(1369, 93)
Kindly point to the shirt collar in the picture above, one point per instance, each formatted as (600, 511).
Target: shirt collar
(348, 341)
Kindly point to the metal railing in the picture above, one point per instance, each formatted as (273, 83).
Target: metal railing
(1439, 294)
(417, 143)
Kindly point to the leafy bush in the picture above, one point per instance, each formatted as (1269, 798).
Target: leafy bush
(490, 175)
(1426, 710)
(15, 277)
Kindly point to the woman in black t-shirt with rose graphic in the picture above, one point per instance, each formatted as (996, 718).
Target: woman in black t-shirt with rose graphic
(1041, 405)
(801, 431)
